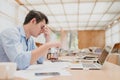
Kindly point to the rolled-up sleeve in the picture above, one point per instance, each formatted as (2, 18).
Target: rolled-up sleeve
(14, 49)
(40, 60)
(23, 60)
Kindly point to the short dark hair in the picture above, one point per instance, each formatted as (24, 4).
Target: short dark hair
(39, 16)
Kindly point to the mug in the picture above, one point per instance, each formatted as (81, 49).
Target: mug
(7, 70)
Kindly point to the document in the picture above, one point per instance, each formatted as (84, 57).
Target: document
(38, 72)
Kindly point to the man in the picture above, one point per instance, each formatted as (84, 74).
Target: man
(17, 45)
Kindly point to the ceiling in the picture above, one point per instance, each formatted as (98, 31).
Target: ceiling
(76, 14)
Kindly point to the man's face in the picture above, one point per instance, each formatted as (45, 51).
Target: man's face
(38, 28)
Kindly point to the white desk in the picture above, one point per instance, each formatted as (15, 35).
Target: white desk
(109, 72)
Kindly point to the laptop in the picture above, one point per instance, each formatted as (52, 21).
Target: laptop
(92, 66)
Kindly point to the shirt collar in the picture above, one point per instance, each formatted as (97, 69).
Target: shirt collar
(22, 31)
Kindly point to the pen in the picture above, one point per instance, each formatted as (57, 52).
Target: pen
(47, 74)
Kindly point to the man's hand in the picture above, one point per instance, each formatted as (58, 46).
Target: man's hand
(46, 32)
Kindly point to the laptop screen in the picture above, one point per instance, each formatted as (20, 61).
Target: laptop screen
(103, 56)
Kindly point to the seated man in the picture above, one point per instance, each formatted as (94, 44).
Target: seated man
(17, 45)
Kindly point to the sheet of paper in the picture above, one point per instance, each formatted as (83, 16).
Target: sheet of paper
(51, 67)
(76, 66)
(54, 65)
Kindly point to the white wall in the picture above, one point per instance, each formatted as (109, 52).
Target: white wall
(22, 12)
(8, 9)
(113, 35)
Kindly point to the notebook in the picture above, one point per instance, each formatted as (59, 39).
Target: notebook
(92, 66)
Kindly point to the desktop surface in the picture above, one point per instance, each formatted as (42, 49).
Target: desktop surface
(108, 72)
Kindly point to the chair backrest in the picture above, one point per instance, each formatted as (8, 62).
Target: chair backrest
(113, 58)
(116, 48)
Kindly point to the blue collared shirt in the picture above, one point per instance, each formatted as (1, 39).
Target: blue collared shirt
(14, 47)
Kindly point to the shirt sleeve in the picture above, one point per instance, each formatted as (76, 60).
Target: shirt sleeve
(14, 49)
(40, 60)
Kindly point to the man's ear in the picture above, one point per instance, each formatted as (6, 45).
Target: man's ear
(33, 21)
